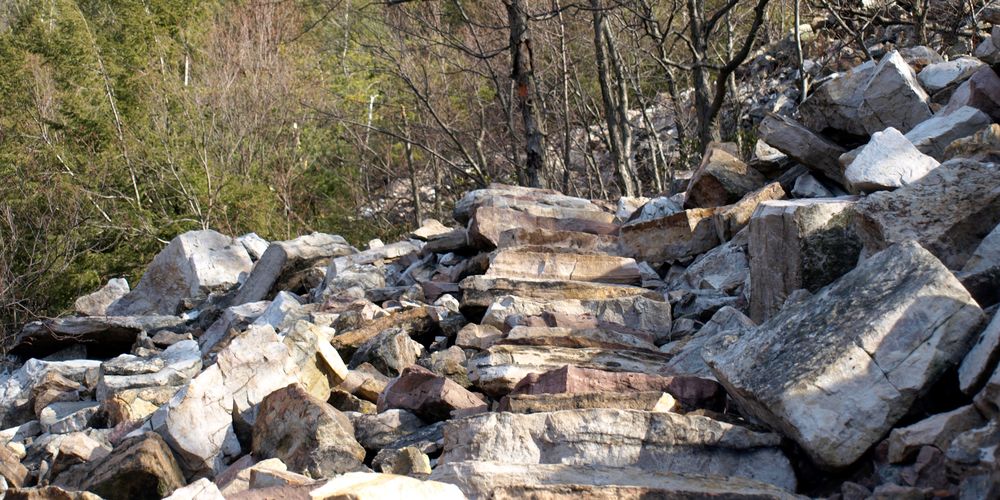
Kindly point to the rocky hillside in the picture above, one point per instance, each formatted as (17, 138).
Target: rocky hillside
(818, 321)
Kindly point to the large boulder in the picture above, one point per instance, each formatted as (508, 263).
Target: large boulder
(308, 435)
(429, 396)
(935, 134)
(893, 97)
(949, 211)
(798, 244)
(502, 195)
(834, 104)
(803, 145)
(980, 91)
(671, 238)
(721, 179)
(284, 259)
(658, 441)
(836, 371)
(888, 161)
(479, 291)
(192, 265)
(141, 467)
(533, 263)
(490, 222)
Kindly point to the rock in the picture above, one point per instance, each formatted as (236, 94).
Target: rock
(725, 268)
(798, 244)
(692, 392)
(530, 264)
(232, 318)
(53, 388)
(193, 264)
(721, 179)
(541, 403)
(97, 303)
(140, 467)
(306, 434)
(498, 369)
(429, 396)
(636, 314)
(980, 91)
(564, 481)
(374, 486)
(407, 461)
(449, 363)
(375, 432)
(282, 260)
(888, 161)
(937, 76)
(48, 493)
(843, 366)
(430, 229)
(987, 51)
(893, 97)
(103, 336)
(490, 223)
(282, 311)
(11, 470)
(171, 368)
(60, 418)
(263, 478)
(806, 186)
(982, 359)
(983, 145)
(198, 421)
(202, 489)
(981, 274)
(803, 145)
(834, 104)
(938, 431)
(731, 219)
(255, 245)
(413, 321)
(365, 382)
(675, 237)
(935, 134)
(976, 447)
(569, 240)
(473, 336)
(685, 355)
(68, 450)
(389, 352)
(556, 332)
(17, 388)
(628, 206)
(949, 212)
(920, 56)
(663, 442)
(479, 292)
(515, 197)
(657, 208)
(236, 478)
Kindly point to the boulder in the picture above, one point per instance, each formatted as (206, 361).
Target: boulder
(306, 434)
(662, 442)
(798, 244)
(807, 186)
(685, 354)
(982, 359)
(389, 352)
(731, 219)
(721, 179)
(888, 161)
(235, 318)
(564, 481)
(571, 332)
(101, 336)
(725, 268)
(406, 461)
(984, 145)
(138, 468)
(949, 211)
(365, 382)
(671, 238)
(658, 207)
(172, 368)
(479, 291)
(281, 312)
(282, 260)
(502, 195)
(53, 388)
(375, 486)
(980, 91)
(255, 245)
(473, 336)
(192, 265)
(836, 371)
(17, 390)
(981, 274)
(381, 430)
(893, 97)
(937, 76)
(498, 369)
(70, 416)
(429, 396)
(97, 303)
(935, 134)
(490, 222)
(803, 145)
(541, 403)
(834, 104)
(11, 470)
(570, 240)
(527, 263)
(202, 489)
(938, 431)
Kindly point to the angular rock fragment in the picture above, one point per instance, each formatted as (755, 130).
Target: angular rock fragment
(389, 352)
(529, 264)
(721, 179)
(515, 197)
(893, 97)
(63, 417)
(140, 467)
(48, 493)
(473, 336)
(277, 267)
(671, 238)
(308, 435)
(982, 359)
(937, 76)
(97, 303)
(429, 396)
(685, 354)
(803, 145)
(980, 91)
(374, 486)
(937, 430)
(489, 223)
(413, 321)
(888, 161)
(834, 104)
(836, 371)
(479, 292)
(102, 336)
(407, 461)
(570, 240)
(664, 442)
(798, 244)
(731, 219)
(949, 211)
(932, 136)
(202, 489)
(381, 430)
(193, 264)
(11, 470)
(541, 403)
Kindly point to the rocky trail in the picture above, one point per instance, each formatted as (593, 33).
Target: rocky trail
(819, 321)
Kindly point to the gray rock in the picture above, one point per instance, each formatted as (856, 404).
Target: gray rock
(798, 244)
(935, 134)
(69, 416)
(233, 318)
(806, 186)
(981, 361)
(981, 91)
(174, 367)
(390, 351)
(937, 76)
(664, 442)
(281, 312)
(103, 335)
(255, 245)
(685, 354)
(834, 104)
(97, 303)
(893, 97)
(375, 432)
(938, 431)
(656, 208)
(192, 265)
(283, 259)
(671, 238)
(803, 145)
(888, 161)
(17, 389)
(725, 268)
(836, 371)
(949, 212)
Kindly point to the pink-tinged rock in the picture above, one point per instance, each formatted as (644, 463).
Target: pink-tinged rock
(429, 396)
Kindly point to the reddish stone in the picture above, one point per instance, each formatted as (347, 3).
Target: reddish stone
(429, 396)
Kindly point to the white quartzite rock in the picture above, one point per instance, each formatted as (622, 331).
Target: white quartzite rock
(888, 161)
(893, 97)
(836, 371)
(937, 76)
(935, 134)
(97, 303)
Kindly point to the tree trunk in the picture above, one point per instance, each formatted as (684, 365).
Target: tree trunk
(611, 115)
(522, 72)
